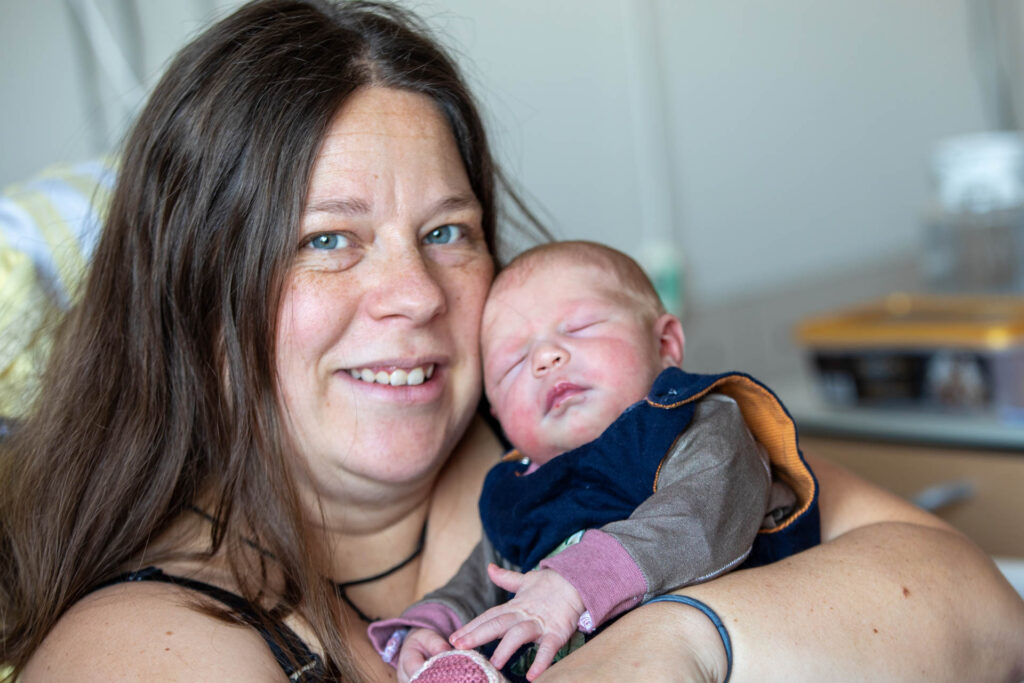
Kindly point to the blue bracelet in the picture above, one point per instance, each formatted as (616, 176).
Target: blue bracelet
(710, 614)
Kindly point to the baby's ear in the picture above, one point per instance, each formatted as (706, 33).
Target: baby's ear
(671, 340)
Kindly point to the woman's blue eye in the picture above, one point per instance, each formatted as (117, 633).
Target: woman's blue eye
(330, 240)
(446, 234)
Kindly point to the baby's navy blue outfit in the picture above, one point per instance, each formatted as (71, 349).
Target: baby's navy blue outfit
(701, 477)
(605, 480)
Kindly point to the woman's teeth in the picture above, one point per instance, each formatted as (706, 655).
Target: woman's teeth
(396, 378)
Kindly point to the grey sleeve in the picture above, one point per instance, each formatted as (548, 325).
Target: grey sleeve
(471, 592)
(710, 500)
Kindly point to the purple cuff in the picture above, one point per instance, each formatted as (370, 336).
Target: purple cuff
(607, 578)
(432, 615)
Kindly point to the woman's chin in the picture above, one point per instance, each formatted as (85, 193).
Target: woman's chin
(387, 464)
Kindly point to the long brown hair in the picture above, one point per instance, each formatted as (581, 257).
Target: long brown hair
(159, 394)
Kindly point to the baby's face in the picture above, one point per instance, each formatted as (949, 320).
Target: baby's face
(565, 352)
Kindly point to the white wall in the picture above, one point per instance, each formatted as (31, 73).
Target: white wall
(55, 107)
(796, 137)
(799, 131)
(803, 133)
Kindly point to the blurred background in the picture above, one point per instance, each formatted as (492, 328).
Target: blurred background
(766, 142)
(767, 162)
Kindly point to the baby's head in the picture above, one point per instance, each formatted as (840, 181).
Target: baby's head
(573, 334)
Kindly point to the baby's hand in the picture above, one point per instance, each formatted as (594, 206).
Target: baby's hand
(545, 611)
(419, 645)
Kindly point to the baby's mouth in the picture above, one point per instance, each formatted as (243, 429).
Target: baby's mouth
(560, 393)
(395, 378)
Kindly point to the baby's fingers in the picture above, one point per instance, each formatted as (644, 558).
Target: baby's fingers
(408, 664)
(505, 578)
(488, 626)
(522, 633)
(420, 645)
(547, 648)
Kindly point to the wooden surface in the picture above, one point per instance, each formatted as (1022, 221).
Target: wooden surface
(993, 515)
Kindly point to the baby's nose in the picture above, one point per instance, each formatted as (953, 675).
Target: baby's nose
(547, 357)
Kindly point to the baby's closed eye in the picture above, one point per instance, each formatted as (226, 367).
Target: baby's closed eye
(574, 326)
(507, 366)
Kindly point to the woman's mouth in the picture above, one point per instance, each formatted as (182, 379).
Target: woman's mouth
(398, 377)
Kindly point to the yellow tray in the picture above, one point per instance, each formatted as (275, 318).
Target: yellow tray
(903, 320)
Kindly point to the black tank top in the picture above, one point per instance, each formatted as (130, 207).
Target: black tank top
(282, 641)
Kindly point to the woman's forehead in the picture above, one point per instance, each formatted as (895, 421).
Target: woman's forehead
(377, 110)
(382, 138)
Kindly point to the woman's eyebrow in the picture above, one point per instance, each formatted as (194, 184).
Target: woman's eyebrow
(456, 202)
(352, 206)
(346, 207)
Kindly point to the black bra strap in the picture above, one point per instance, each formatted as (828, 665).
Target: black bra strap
(308, 667)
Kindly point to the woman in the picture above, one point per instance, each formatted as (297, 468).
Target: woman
(268, 387)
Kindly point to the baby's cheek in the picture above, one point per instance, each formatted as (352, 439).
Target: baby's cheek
(520, 427)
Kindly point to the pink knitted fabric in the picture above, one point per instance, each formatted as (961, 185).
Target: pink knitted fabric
(458, 666)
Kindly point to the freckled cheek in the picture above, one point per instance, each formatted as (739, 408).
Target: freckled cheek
(468, 311)
(468, 284)
(312, 309)
(466, 292)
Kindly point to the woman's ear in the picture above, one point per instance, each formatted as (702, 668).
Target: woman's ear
(671, 340)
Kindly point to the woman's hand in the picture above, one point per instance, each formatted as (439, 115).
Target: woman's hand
(545, 610)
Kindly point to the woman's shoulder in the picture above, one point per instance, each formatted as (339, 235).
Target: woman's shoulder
(148, 631)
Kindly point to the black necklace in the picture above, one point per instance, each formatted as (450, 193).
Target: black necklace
(340, 586)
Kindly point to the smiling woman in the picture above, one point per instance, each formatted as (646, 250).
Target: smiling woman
(307, 196)
(400, 293)
(256, 427)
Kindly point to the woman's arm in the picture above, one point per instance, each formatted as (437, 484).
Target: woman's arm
(892, 594)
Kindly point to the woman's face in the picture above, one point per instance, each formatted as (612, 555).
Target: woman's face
(377, 334)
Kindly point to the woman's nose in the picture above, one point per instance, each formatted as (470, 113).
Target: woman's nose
(405, 286)
(547, 357)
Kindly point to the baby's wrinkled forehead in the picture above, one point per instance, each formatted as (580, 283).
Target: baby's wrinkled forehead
(543, 266)
(566, 289)
(516, 285)
(519, 272)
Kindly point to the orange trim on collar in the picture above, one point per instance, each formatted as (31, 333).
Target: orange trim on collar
(774, 429)
(513, 454)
